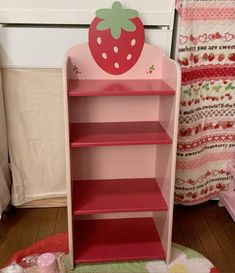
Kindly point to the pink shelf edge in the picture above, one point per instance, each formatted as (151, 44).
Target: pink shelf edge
(119, 88)
(227, 198)
(118, 133)
(117, 195)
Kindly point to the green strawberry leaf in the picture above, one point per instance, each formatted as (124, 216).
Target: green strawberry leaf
(103, 25)
(129, 26)
(116, 19)
(102, 13)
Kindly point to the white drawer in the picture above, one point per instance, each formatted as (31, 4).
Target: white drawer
(45, 47)
(153, 12)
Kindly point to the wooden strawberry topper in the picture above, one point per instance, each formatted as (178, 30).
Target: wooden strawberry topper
(116, 38)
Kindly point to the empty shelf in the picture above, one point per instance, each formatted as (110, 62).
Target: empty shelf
(117, 195)
(116, 240)
(117, 133)
(118, 88)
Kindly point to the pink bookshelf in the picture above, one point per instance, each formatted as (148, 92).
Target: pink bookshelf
(119, 88)
(117, 133)
(117, 195)
(120, 207)
(110, 240)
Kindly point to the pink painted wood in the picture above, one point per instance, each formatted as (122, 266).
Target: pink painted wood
(117, 195)
(81, 65)
(119, 88)
(117, 133)
(227, 198)
(153, 74)
(116, 240)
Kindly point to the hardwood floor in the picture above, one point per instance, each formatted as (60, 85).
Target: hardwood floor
(208, 229)
(205, 228)
(23, 227)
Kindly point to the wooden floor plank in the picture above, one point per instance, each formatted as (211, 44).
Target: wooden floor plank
(177, 232)
(12, 228)
(21, 231)
(190, 237)
(30, 228)
(47, 223)
(219, 225)
(61, 224)
(208, 239)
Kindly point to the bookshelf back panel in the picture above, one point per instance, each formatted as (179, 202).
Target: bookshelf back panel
(113, 162)
(113, 109)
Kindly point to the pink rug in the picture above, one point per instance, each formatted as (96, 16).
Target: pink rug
(184, 260)
(54, 243)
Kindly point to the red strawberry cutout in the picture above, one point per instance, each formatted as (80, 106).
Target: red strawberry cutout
(116, 38)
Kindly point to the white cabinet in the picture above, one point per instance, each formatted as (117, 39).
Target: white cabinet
(80, 12)
(36, 34)
(40, 47)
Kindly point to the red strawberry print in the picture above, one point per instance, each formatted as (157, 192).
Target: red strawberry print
(191, 57)
(231, 57)
(211, 57)
(218, 35)
(229, 124)
(189, 194)
(195, 59)
(116, 38)
(179, 195)
(211, 188)
(184, 61)
(221, 57)
(205, 57)
(214, 270)
(183, 132)
(188, 132)
(194, 195)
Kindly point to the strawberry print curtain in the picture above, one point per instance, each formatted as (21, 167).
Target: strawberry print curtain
(206, 140)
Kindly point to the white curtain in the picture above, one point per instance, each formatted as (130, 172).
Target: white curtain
(35, 121)
(4, 166)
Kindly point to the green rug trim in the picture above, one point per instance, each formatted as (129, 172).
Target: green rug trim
(190, 253)
(121, 267)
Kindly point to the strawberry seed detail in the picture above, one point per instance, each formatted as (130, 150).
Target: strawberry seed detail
(99, 41)
(133, 42)
(104, 55)
(128, 57)
(115, 49)
(116, 65)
